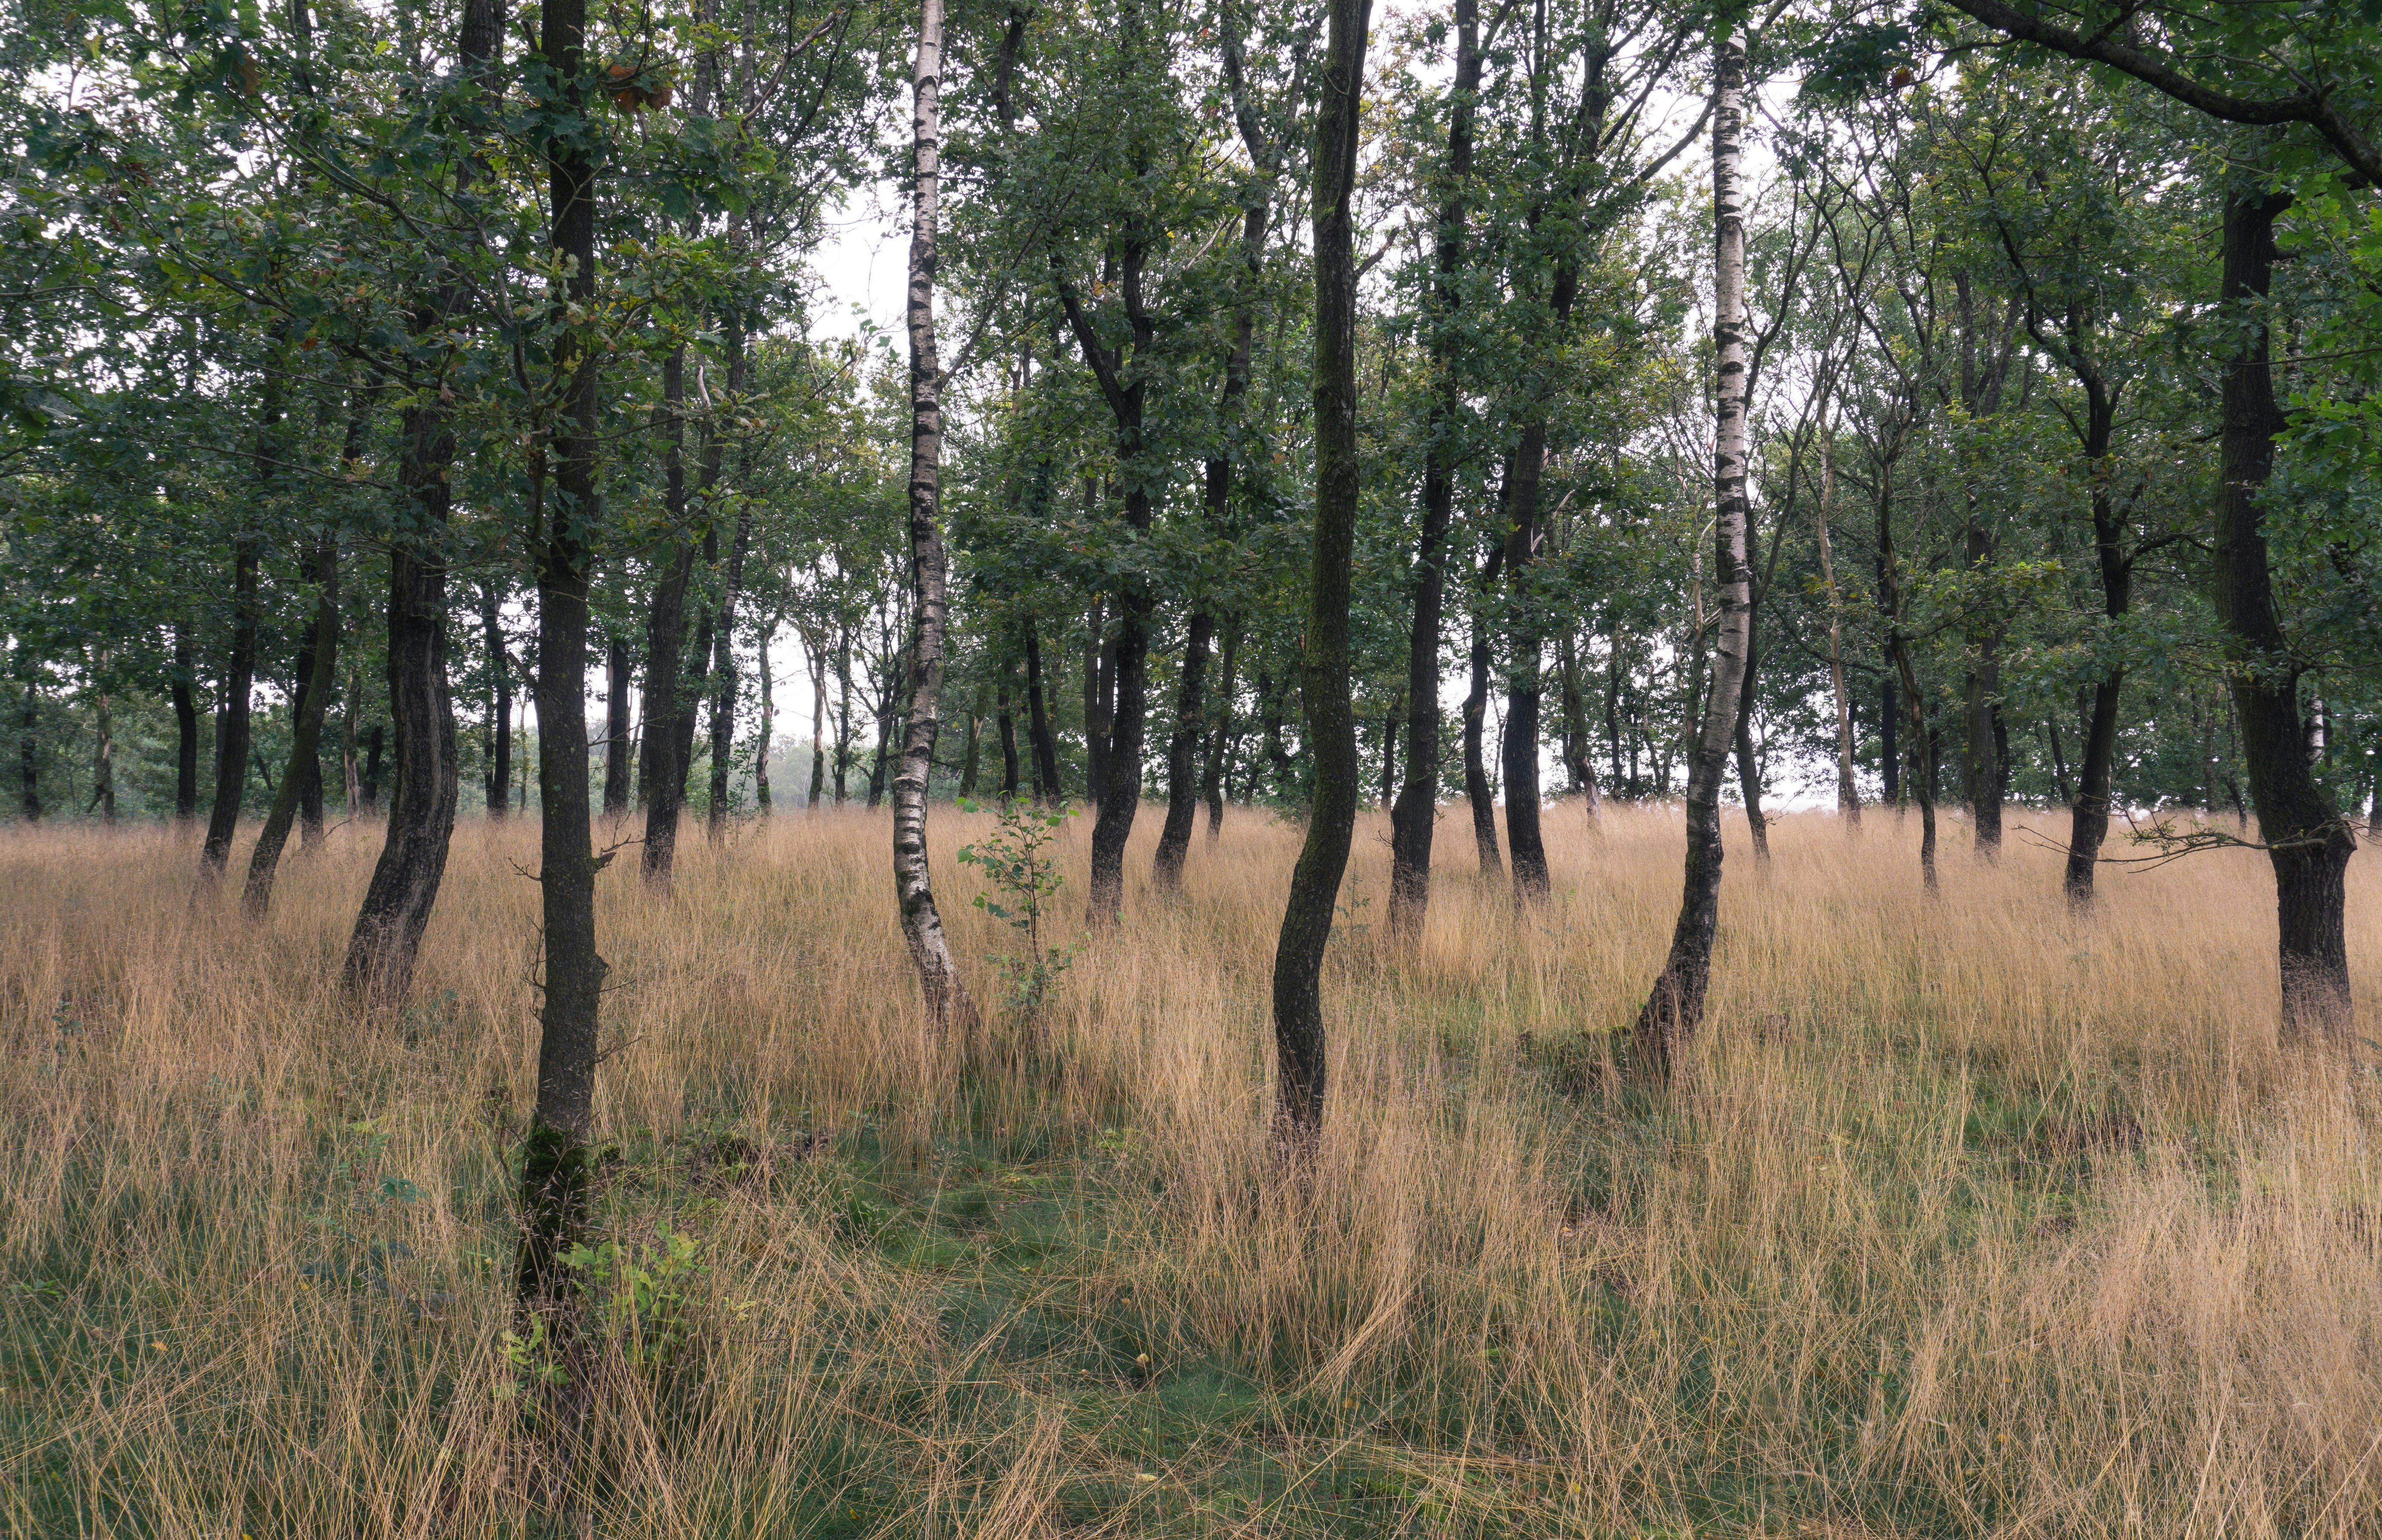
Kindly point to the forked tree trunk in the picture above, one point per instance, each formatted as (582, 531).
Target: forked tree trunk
(412, 861)
(922, 923)
(2307, 840)
(554, 1156)
(306, 737)
(1330, 727)
(1675, 1008)
(1414, 817)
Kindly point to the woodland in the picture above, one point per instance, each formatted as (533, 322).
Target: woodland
(1619, 748)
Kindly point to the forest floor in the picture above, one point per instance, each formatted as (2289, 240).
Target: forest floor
(1973, 1219)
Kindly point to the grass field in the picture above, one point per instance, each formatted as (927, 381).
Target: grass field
(1973, 1220)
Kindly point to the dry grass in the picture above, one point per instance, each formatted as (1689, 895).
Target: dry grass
(1976, 1220)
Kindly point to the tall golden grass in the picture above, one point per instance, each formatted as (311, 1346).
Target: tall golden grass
(1973, 1218)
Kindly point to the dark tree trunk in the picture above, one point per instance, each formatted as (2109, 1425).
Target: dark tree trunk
(1331, 727)
(102, 765)
(1413, 818)
(554, 1159)
(2307, 840)
(1524, 688)
(1006, 721)
(404, 887)
(185, 727)
(617, 667)
(662, 768)
(421, 811)
(723, 656)
(231, 713)
(1098, 693)
(1477, 789)
(500, 713)
(306, 736)
(1390, 748)
(374, 745)
(29, 761)
(1047, 789)
(1182, 757)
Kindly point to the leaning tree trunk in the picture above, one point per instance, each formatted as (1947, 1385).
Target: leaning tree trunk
(554, 1156)
(2307, 840)
(922, 923)
(1675, 1008)
(1414, 817)
(306, 738)
(1330, 726)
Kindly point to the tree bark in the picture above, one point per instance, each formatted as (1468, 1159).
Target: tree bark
(1047, 789)
(1006, 721)
(2307, 840)
(1848, 803)
(405, 880)
(554, 1161)
(617, 667)
(662, 770)
(1330, 727)
(723, 655)
(1675, 1008)
(103, 759)
(1220, 735)
(922, 925)
(1524, 688)
(29, 759)
(232, 712)
(1182, 745)
(1414, 817)
(499, 789)
(306, 736)
(185, 726)
(768, 722)
(1477, 789)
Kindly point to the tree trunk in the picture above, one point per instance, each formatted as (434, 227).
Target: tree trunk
(412, 861)
(306, 737)
(1097, 687)
(1006, 722)
(1749, 768)
(373, 743)
(2307, 840)
(1477, 789)
(922, 924)
(1524, 689)
(350, 781)
(29, 761)
(662, 769)
(554, 1158)
(1413, 818)
(1331, 727)
(1675, 1008)
(1183, 751)
(617, 669)
(185, 726)
(1220, 737)
(1390, 748)
(723, 656)
(768, 722)
(843, 712)
(103, 759)
(1047, 789)
(1848, 788)
(500, 711)
(231, 713)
